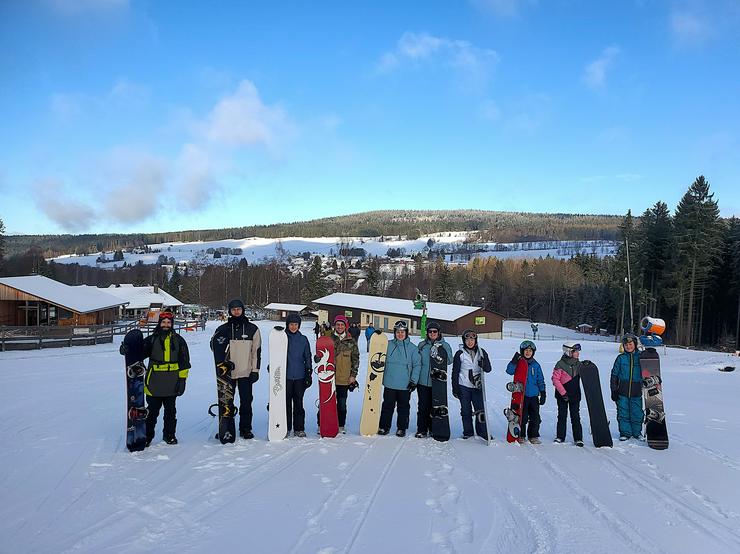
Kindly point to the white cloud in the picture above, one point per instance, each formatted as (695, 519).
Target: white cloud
(195, 182)
(594, 75)
(689, 28)
(503, 8)
(472, 62)
(123, 95)
(242, 119)
(58, 205)
(139, 185)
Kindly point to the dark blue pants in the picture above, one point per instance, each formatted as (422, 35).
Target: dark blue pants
(154, 405)
(393, 398)
(294, 389)
(471, 400)
(244, 385)
(531, 416)
(575, 417)
(424, 411)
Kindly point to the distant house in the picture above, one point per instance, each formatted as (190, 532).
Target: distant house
(584, 328)
(37, 300)
(384, 312)
(141, 299)
(279, 311)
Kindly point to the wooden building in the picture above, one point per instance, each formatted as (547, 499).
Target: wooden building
(279, 311)
(384, 312)
(36, 300)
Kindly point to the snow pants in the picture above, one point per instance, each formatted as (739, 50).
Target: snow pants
(575, 417)
(393, 398)
(530, 417)
(471, 397)
(630, 415)
(154, 405)
(294, 389)
(424, 409)
(244, 385)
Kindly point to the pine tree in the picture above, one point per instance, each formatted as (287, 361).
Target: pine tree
(372, 276)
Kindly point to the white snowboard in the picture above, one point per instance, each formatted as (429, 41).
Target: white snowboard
(278, 417)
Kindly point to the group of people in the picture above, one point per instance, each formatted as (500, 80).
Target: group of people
(237, 349)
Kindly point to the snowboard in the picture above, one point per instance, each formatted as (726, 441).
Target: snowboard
(652, 393)
(595, 401)
(133, 350)
(440, 412)
(226, 409)
(328, 417)
(482, 415)
(370, 418)
(514, 412)
(278, 414)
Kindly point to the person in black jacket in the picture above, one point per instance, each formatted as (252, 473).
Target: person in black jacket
(237, 345)
(469, 362)
(297, 375)
(169, 362)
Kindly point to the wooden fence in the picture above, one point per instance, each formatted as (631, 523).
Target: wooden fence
(34, 338)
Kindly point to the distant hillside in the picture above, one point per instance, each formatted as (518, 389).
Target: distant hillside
(491, 227)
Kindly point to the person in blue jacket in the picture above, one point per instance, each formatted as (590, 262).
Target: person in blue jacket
(423, 379)
(534, 392)
(402, 361)
(626, 387)
(297, 374)
(467, 387)
(369, 334)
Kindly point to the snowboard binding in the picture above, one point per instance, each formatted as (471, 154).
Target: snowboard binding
(439, 374)
(480, 415)
(652, 381)
(228, 411)
(440, 411)
(514, 387)
(137, 413)
(137, 369)
(654, 415)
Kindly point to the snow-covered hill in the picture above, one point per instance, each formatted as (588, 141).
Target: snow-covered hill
(256, 249)
(69, 484)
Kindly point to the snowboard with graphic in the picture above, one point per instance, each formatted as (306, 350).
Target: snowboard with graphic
(656, 431)
(328, 416)
(278, 414)
(514, 412)
(133, 350)
(370, 418)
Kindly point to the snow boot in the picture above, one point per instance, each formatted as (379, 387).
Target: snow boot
(382, 431)
(559, 440)
(172, 439)
(401, 433)
(535, 440)
(301, 434)
(420, 435)
(246, 434)
(579, 443)
(624, 438)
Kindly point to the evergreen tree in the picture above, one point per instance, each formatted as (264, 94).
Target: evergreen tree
(372, 276)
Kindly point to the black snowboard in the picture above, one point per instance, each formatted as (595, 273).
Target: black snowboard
(652, 393)
(226, 410)
(595, 401)
(440, 414)
(133, 350)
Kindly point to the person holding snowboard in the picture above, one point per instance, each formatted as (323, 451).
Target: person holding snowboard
(346, 366)
(169, 362)
(297, 374)
(567, 383)
(237, 345)
(467, 366)
(534, 392)
(626, 387)
(402, 363)
(423, 378)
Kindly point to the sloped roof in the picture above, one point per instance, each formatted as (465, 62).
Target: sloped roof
(401, 306)
(286, 307)
(77, 299)
(142, 297)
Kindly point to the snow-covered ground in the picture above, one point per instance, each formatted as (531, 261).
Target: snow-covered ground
(69, 484)
(256, 249)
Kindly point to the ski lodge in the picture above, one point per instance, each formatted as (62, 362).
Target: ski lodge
(140, 300)
(384, 312)
(279, 311)
(35, 300)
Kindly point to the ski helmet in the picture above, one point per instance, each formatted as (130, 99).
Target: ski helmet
(571, 346)
(400, 325)
(527, 344)
(629, 337)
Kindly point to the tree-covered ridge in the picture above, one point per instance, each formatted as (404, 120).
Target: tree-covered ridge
(489, 225)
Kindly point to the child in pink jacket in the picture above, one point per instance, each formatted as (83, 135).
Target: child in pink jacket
(567, 383)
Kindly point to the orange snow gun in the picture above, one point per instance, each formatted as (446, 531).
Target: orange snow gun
(652, 326)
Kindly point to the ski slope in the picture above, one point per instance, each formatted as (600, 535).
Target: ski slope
(69, 484)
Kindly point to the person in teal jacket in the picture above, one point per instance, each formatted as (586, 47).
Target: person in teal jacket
(626, 387)
(424, 381)
(402, 362)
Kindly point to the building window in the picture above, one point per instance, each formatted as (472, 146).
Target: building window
(480, 320)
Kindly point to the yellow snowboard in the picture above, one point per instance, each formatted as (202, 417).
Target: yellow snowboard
(370, 418)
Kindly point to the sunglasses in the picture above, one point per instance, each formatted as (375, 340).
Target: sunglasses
(433, 331)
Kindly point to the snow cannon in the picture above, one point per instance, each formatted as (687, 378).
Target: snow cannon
(652, 326)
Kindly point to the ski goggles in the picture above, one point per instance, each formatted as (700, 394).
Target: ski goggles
(575, 347)
(470, 335)
(400, 325)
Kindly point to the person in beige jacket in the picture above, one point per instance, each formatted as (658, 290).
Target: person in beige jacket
(238, 346)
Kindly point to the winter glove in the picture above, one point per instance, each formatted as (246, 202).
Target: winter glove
(352, 386)
(456, 392)
(316, 358)
(309, 380)
(226, 366)
(565, 398)
(412, 386)
(515, 359)
(180, 387)
(615, 396)
(543, 398)
(254, 377)
(122, 350)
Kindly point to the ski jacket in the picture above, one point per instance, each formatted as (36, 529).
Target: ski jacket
(422, 376)
(369, 332)
(626, 376)
(465, 362)
(346, 358)
(239, 341)
(566, 378)
(402, 360)
(169, 361)
(535, 378)
(355, 332)
(298, 364)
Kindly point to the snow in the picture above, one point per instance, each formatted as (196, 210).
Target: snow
(401, 306)
(258, 249)
(81, 299)
(69, 484)
(142, 297)
(285, 307)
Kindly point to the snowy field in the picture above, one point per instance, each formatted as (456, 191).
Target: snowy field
(69, 484)
(256, 249)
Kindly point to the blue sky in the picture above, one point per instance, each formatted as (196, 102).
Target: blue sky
(126, 116)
